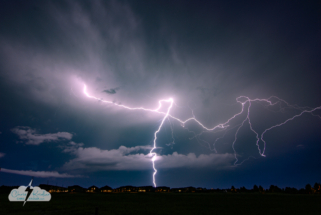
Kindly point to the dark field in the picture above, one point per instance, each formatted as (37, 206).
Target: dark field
(167, 203)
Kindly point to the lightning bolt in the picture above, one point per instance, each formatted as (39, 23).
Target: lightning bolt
(245, 102)
(29, 191)
(153, 154)
(155, 138)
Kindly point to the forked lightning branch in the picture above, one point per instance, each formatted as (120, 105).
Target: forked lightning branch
(243, 100)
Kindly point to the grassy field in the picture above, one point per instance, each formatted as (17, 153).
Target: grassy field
(167, 203)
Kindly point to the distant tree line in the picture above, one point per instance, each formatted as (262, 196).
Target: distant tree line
(316, 189)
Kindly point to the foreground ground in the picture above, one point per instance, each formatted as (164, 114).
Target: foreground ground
(167, 203)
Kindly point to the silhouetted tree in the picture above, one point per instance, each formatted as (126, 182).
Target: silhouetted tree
(243, 189)
(255, 188)
(308, 188)
(317, 187)
(291, 190)
(274, 189)
(278, 190)
(261, 189)
(271, 189)
(233, 189)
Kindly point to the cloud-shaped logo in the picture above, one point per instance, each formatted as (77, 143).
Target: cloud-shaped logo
(21, 194)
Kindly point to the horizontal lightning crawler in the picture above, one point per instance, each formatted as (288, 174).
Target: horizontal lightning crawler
(245, 102)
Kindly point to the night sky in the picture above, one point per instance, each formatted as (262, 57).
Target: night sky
(203, 54)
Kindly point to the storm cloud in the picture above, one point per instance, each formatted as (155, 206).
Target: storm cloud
(40, 174)
(32, 138)
(202, 54)
(111, 91)
(123, 158)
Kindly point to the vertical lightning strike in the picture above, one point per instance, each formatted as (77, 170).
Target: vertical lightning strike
(155, 138)
(237, 131)
(222, 126)
(154, 155)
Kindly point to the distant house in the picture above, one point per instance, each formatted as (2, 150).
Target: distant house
(92, 189)
(215, 190)
(162, 189)
(146, 189)
(141, 189)
(53, 189)
(106, 189)
(184, 190)
(176, 190)
(76, 189)
(189, 189)
(203, 190)
(126, 189)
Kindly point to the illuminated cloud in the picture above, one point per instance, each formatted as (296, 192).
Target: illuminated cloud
(2, 154)
(26, 133)
(176, 160)
(123, 158)
(40, 174)
(71, 146)
(203, 62)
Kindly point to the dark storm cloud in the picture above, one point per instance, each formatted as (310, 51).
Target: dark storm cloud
(111, 90)
(202, 54)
